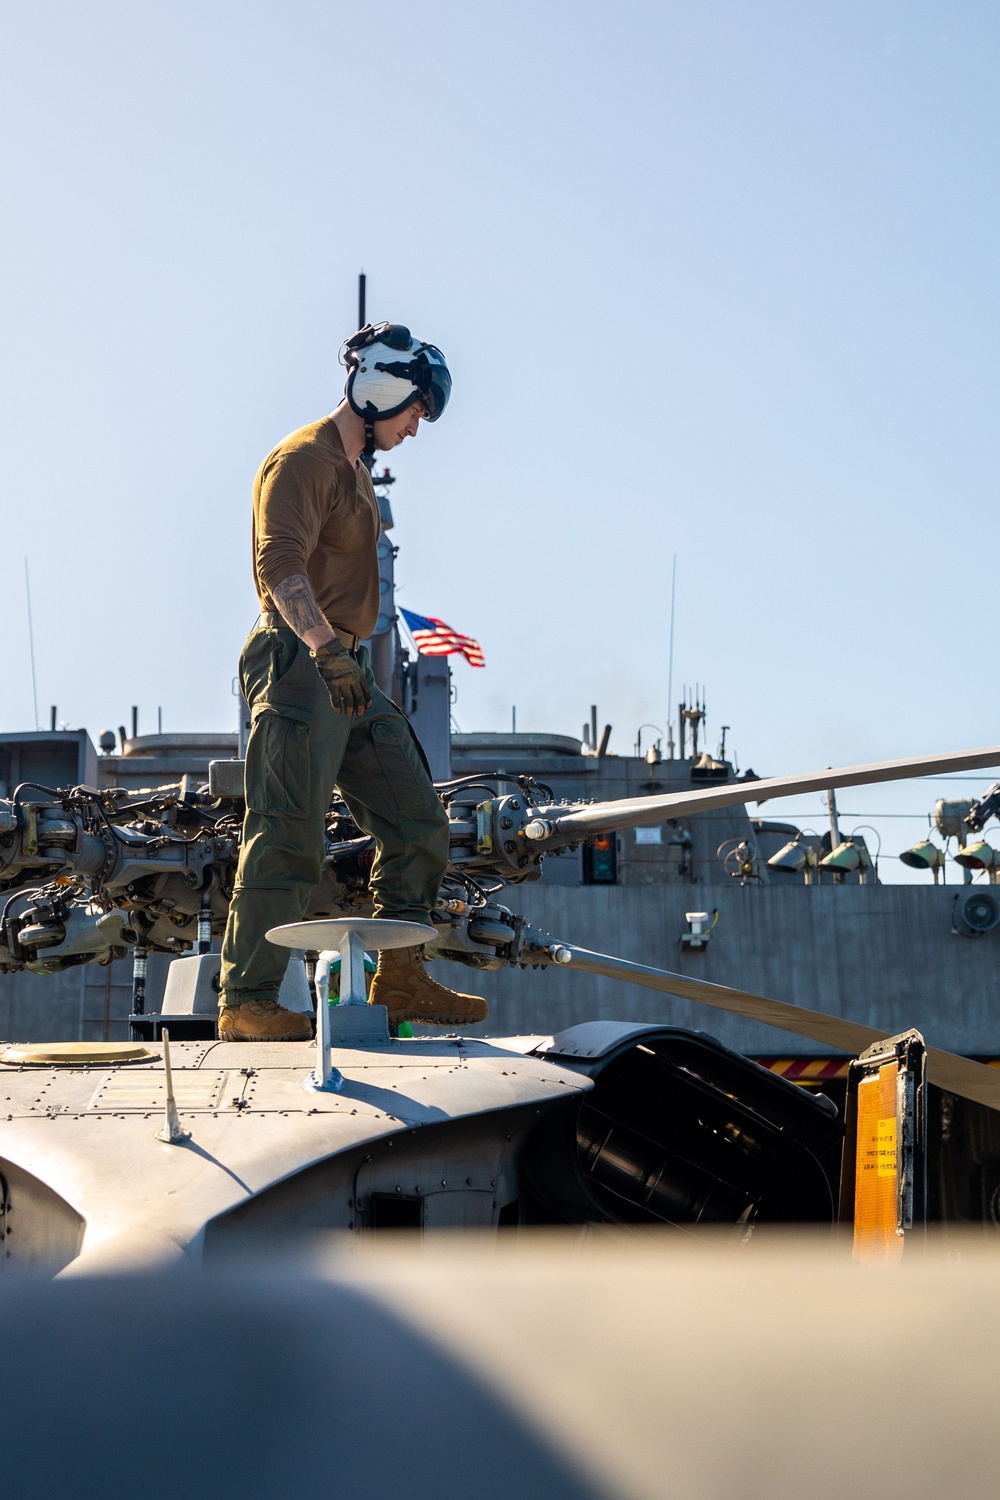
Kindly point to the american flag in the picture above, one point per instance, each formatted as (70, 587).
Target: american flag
(434, 638)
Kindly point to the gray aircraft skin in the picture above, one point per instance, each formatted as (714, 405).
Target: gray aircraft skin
(91, 1188)
(103, 1172)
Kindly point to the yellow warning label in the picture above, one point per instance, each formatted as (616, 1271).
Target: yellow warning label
(886, 1147)
(876, 1226)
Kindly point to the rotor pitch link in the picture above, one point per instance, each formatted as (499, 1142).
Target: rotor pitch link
(959, 1075)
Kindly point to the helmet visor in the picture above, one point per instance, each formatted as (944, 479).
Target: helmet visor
(434, 384)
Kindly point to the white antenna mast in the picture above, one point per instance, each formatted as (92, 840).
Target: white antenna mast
(31, 645)
(171, 1132)
(670, 664)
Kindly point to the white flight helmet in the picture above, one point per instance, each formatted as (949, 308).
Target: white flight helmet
(389, 370)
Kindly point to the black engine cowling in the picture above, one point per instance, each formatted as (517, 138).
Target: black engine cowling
(679, 1130)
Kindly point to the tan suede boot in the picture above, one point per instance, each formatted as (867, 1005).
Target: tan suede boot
(263, 1021)
(408, 992)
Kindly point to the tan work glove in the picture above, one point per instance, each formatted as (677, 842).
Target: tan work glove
(345, 681)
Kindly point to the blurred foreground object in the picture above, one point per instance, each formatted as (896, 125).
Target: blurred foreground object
(613, 1365)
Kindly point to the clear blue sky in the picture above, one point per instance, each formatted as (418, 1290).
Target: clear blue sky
(716, 279)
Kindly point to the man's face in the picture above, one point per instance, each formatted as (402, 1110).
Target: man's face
(391, 432)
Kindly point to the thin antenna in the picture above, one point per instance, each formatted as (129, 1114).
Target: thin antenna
(670, 666)
(831, 802)
(171, 1131)
(31, 645)
(361, 301)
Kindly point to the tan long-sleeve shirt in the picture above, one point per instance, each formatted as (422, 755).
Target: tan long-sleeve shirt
(314, 513)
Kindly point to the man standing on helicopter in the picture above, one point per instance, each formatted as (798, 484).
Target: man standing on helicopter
(318, 718)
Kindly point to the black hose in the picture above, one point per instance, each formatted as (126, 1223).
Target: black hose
(31, 890)
(485, 779)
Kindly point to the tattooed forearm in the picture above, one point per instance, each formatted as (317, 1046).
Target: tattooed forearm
(297, 604)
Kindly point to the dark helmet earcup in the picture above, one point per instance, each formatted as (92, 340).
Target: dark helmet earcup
(392, 335)
(395, 336)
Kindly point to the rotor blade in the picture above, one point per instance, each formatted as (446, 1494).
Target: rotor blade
(606, 817)
(959, 1075)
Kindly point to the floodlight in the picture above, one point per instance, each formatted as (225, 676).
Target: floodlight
(950, 816)
(924, 856)
(845, 858)
(977, 856)
(792, 856)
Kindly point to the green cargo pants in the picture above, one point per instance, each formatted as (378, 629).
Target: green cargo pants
(298, 750)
